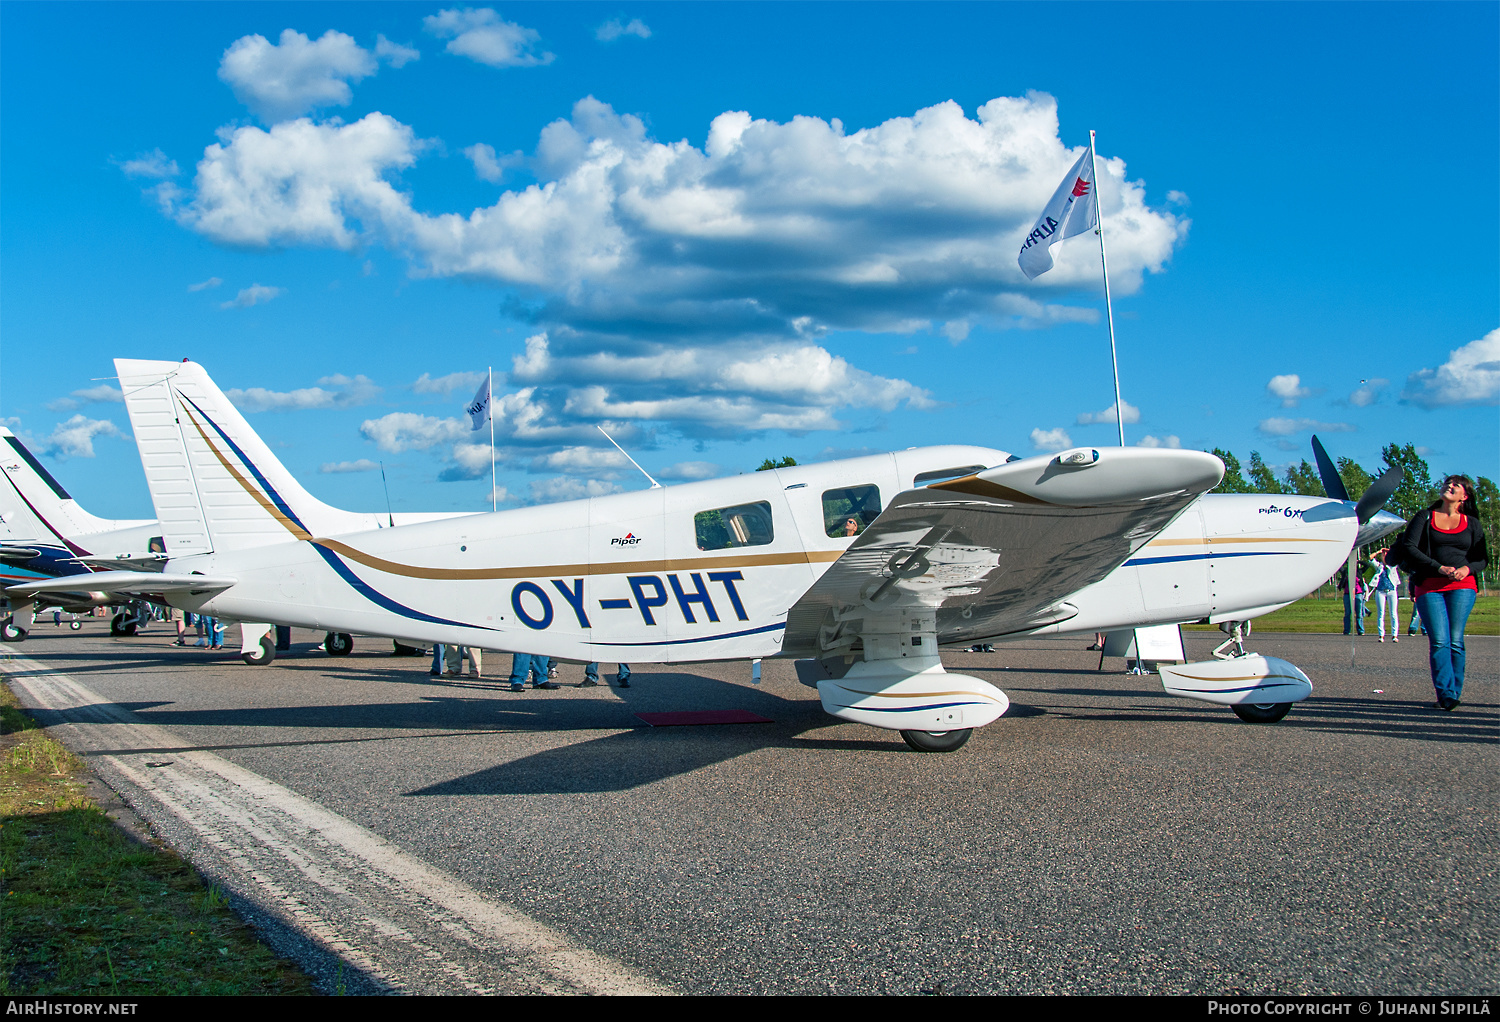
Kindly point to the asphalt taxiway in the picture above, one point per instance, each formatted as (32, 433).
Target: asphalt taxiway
(398, 832)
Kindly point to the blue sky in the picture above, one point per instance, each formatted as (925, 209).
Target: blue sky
(728, 231)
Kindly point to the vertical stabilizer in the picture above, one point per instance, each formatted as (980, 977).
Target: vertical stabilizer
(43, 498)
(215, 483)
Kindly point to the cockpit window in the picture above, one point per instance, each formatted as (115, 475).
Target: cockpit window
(847, 511)
(923, 478)
(742, 525)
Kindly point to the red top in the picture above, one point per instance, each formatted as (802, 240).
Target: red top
(1442, 583)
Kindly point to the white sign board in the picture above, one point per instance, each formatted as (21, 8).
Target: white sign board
(1154, 644)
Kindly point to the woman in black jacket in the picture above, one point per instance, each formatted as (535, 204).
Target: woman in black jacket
(1443, 549)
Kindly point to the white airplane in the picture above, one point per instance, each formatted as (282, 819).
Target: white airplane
(952, 546)
(45, 533)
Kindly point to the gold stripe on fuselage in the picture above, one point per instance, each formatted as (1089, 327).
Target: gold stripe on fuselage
(532, 571)
(562, 570)
(260, 498)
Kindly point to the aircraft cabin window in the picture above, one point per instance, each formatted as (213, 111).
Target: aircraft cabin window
(743, 525)
(923, 478)
(847, 511)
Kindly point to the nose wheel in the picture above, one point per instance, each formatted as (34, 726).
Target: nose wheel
(1261, 713)
(937, 741)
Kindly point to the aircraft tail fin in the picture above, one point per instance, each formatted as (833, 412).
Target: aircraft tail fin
(215, 483)
(44, 498)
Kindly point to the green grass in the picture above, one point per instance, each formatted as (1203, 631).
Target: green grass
(1311, 614)
(87, 910)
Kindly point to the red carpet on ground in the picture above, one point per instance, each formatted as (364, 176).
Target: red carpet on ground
(682, 717)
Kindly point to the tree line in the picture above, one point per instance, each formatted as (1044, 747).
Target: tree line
(1418, 489)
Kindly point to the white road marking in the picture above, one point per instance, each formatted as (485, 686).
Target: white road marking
(402, 922)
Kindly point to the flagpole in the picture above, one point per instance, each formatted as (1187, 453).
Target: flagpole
(1109, 309)
(490, 410)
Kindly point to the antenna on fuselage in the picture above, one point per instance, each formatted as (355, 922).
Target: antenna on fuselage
(654, 484)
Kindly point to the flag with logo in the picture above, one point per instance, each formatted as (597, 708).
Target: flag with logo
(1074, 209)
(479, 408)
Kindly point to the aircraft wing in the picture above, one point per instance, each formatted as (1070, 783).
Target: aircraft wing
(124, 582)
(1000, 551)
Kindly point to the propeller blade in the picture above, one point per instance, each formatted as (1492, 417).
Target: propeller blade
(1379, 492)
(1333, 483)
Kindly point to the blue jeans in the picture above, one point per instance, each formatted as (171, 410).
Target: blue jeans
(591, 672)
(1359, 613)
(1445, 615)
(523, 665)
(437, 659)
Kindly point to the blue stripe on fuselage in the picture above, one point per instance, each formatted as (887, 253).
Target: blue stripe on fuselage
(1217, 556)
(334, 561)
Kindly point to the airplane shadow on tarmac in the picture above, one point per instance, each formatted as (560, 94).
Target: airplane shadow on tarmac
(633, 754)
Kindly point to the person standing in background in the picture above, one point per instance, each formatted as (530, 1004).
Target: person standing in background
(1387, 583)
(1356, 606)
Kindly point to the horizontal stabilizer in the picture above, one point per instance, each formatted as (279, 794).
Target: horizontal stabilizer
(135, 562)
(125, 582)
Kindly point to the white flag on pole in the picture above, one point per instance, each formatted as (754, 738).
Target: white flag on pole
(479, 408)
(1074, 209)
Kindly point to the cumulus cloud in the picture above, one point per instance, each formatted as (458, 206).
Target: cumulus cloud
(395, 54)
(153, 164)
(255, 294)
(550, 491)
(89, 395)
(337, 391)
(75, 437)
(769, 229)
(1130, 414)
(408, 431)
(1160, 441)
(791, 387)
(956, 330)
(490, 167)
(340, 467)
(484, 36)
(602, 462)
(205, 285)
(1471, 376)
(1279, 426)
(282, 80)
(689, 471)
(1368, 392)
(1287, 389)
(1051, 439)
(614, 28)
(692, 285)
(445, 386)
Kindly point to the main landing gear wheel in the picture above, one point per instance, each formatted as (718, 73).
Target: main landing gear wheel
(937, 741)
(1261, 713)
(338, 643)
(266, 655)
(75, 624)
(12, 632)
(121, 625)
